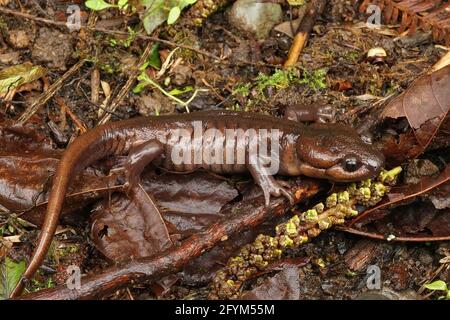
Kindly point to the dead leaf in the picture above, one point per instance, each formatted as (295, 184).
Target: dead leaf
(425, 104)
(189, 202)
(403, 193)
(13, 77)
(283, 286)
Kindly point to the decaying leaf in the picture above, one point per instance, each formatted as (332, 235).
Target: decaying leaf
(283, 286)
(413, 212)
(411, 15)
(190, 202)
(425, 105)
(13, 77)
(404, 193)
(10, 273)
(122, 231)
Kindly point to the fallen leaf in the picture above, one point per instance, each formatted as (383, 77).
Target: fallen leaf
(13, 77)
(188, 203)
(403, 193)
(283, 286)
(10, 273)
(425, 104)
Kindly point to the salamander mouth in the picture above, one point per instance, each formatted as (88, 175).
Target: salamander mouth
(337, 173)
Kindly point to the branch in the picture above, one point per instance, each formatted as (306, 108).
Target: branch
(314, 9)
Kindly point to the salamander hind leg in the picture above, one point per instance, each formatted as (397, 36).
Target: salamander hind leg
(138, 158)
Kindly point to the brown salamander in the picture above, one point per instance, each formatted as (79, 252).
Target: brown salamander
(328, 151)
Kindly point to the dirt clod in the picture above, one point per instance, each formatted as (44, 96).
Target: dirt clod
(52, 48)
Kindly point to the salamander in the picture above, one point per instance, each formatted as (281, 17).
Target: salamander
(222, 142)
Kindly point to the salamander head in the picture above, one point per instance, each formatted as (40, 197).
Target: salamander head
(336, 152)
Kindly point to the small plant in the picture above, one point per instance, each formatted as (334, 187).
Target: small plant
(37, 285)
(280, 79)
(126, 43)
(315, 80)
(439, 285)
(98, 5)
(153, 12)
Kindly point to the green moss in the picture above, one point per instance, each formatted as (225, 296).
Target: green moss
(352, 55)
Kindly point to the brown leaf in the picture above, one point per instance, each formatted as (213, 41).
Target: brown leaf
(411, 15)
(404, 193)
(22, 151)
(122, 230)
(283, 286)
(128, 227)
(425, 104)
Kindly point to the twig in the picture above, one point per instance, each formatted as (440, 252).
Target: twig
(139, 35)
(79, 124)
(383, 237)
(243, 215)
(443, 62)
(314, 9)
(45, 97)
(95, 85)
(124, 90)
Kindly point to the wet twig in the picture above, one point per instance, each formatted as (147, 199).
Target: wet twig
(314, 9)
(377, 236)
(46, 95)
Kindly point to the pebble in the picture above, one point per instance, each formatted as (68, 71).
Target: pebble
(255, 18)
(19, 39)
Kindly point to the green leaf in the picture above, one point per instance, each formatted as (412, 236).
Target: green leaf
(174, 14)
(184, 3)
(437, 285)
(154, 59)
(122, 4)
(144, 81)
(15, 76)
(10, 273)
(153, 15)
(176, 91)
(98, 5)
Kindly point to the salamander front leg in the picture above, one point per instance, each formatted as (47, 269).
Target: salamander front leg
(268, 184)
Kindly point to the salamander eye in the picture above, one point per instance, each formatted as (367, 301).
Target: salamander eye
(351, 163)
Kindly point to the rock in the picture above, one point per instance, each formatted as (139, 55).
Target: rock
(153, 103)
(419, 168)
(12, 57)
(19, 39)
(255, 18)
(52, 47)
